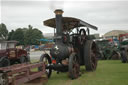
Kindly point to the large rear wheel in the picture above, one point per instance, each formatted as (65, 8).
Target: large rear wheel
(90, 55)
(74, 67)
(47, 61)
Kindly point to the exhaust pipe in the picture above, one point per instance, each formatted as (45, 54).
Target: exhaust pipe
(59, 27)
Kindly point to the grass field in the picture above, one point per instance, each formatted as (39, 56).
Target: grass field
(107, 73)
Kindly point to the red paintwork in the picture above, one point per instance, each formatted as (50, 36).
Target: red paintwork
(12, 53)
(18, 53)
(121, 35)
(48, 45)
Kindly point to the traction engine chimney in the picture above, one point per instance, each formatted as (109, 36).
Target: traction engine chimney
(59, 28)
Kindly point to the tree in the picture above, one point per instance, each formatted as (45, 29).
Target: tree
(24, 30)
(3, 32)
(18, 36)
(10, 35)
(37, 34)
(26, 36)
(32, 35)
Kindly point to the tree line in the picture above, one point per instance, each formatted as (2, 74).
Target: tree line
(25, 36)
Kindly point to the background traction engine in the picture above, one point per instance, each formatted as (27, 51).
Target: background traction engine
(123, 38)
(72, 47)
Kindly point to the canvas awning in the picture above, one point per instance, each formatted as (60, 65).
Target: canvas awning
(69, 23)
(47, 40)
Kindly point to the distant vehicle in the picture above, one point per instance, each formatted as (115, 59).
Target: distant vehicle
(9, 54)
(123, 38)
(107, 50)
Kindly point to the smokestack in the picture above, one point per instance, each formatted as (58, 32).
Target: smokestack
(59, 27)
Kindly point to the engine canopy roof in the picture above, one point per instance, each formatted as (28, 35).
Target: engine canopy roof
(69, 23)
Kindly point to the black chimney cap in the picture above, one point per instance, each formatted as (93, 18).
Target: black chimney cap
(58, 11)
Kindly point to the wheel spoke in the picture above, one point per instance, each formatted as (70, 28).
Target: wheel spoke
(75, 67)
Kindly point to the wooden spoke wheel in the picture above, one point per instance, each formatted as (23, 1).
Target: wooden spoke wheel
(47, 61)
(74, 67)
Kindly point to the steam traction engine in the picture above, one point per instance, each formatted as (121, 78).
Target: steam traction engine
(72, 47)
(123, 38)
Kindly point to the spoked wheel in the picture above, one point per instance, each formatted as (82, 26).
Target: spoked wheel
(90, 55)
(74, 67)
(3, 79)
(47, 61)
(4, 62)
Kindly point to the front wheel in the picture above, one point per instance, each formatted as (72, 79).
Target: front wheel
(47, 61)
(4, 62)
(74, 67)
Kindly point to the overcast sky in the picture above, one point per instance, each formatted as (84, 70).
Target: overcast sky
(106, 15)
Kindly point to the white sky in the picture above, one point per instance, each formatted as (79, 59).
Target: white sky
(106, 15)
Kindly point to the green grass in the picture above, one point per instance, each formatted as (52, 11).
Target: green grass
(107, 73)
